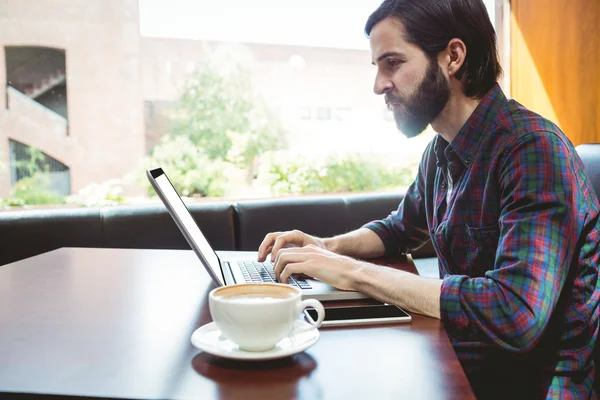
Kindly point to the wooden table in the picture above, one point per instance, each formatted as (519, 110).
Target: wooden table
(116, 323)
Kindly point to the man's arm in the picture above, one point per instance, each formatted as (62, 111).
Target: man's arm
(409, 291)
(398, 233)
(333, 260)
(361, 243)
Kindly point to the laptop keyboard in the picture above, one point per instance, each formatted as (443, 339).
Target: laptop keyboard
(257, 272)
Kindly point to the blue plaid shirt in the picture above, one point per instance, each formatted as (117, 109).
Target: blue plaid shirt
(518, 243)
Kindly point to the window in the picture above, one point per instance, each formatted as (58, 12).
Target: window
(36, 81)
(44, 171)
(234, 89)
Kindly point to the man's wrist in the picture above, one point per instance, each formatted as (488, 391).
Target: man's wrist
(360, 275)
(331, 244)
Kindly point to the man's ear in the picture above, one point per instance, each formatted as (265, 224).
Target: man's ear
(456, 58)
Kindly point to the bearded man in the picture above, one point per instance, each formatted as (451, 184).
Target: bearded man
(503, 197)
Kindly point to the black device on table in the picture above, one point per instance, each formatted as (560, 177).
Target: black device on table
(360, 315)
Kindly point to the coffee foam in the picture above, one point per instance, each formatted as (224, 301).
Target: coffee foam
(255, 292)
(253, 299)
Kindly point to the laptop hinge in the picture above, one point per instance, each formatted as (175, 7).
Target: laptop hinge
(227, 274)
(234, 272)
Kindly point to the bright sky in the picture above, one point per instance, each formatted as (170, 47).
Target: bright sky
(323, 23)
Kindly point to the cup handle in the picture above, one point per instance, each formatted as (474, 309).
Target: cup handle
(316, 304)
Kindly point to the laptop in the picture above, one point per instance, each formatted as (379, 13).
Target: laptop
(236, 268)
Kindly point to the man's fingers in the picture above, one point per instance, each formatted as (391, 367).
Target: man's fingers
(274, 241)
(290, 256)
(285, 257)
(294, 268)
(267, 244)
(266, 253)
(286, 239)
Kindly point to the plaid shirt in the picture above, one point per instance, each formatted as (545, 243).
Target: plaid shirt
(514, 221)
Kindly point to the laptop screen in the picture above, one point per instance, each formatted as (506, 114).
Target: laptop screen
(186, 223)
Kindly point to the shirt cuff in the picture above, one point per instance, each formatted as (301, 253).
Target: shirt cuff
(453, 317)
(390, 242)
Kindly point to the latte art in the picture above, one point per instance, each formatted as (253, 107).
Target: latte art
(255, 293)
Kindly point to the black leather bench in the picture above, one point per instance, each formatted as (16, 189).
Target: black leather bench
(228, 226)
(30, 232)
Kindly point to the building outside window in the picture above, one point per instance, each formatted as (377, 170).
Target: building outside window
(241, 96)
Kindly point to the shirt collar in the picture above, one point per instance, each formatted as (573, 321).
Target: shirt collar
(440, 147)
(480, 124)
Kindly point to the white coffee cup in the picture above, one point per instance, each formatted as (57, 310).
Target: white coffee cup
(258, 315)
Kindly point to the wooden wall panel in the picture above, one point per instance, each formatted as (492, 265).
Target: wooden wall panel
(555, 63)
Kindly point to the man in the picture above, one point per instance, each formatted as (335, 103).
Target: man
(503, 197)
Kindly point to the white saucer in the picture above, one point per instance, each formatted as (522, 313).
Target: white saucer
(208, 338)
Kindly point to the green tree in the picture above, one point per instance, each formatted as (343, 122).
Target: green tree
(34, 165)
(190, 170)
(349, 173)
(33, 190)
(222, 114)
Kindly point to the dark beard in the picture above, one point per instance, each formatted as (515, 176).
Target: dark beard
(425, 105)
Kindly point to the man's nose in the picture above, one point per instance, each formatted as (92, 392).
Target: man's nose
(382, 85)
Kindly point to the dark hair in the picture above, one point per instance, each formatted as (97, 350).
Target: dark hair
(431, 24)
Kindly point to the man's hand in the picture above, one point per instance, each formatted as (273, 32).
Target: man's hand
(314, 257)
(315, 261)
(275, 241)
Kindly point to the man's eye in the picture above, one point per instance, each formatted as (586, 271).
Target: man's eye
(393, 63)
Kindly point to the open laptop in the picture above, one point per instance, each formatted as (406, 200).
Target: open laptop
(234, 269)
